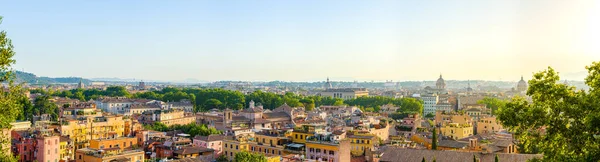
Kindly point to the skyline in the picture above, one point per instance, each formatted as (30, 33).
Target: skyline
(295, 41)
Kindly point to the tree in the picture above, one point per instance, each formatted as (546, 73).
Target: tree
(434, 139)
(423, 159)
(222, 158)
(433, 159)
(212, 103)
(309, 104)
(430, 115)
(42, 105)
(492, 103)
(249, 157)
(474, 158)
(9, 96)
(561, 123)
(496, 158)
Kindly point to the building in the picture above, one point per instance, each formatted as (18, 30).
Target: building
(47, 148)
(81, 85)
(322, 148)
(120, 142)
(112, 154)
(203, 154)
(233, 145)
(212, 141)
(488, 125)
(168, 117)
(67, 151)
(440, 83)
(360, 143)
(429, 103)
(393, 154)
(142, 108)
(270, 143)
(82, 130)
(522, 85)
(184, 104)
(23, 144)
(119, 105)
(457, 131)
(345, 93)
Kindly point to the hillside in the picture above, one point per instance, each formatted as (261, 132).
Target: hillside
(24, 77)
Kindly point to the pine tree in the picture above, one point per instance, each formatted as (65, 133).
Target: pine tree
(434, 139)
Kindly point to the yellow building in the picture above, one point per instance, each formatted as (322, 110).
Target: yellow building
(273, 158)
(121, 143)
(488, 125)
(66, 148)
(300, 134)
(361, 142)
(269, 143)
(233, 145)
(325, 150)
(457, 131)
(105, 155)
(82, 130)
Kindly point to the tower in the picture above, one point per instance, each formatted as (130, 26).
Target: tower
(522, 85)
(327, 84)
(227, 116)
(251, 104)
(80, 85)
(440, 83)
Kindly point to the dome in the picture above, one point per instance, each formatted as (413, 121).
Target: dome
(440, 84)
(522, 85)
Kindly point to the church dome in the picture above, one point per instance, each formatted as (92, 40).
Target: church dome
(522, 85)
(440, 84)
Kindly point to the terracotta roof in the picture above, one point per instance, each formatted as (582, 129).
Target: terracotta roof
(273, 115)
(192, 150)
(452, 144)
(403, 154)
(503, 143)
(210, 138)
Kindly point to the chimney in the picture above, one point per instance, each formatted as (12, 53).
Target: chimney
(473, 143)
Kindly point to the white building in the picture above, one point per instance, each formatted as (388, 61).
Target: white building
(120, 105)
(429, 103)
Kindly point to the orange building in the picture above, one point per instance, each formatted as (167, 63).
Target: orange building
(122, 143)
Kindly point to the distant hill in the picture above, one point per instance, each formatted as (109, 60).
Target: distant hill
(25, 77)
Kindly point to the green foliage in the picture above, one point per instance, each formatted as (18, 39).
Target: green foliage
(561, 123)
(249, 157)
(309, 104)
(42, 105)
(423, 160)
(434, 140)
(10, 95)
(493, 103)
(496, 158)
(192, 129)
(430, 115)
(407, 105)
(222, 158)
(474, 158)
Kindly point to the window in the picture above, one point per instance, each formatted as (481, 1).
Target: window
(236, 147)
(311, 150)
(296, 136)
(330, 152)
(225, 145)
(318, 150)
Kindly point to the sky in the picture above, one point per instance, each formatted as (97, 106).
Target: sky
(306, 40)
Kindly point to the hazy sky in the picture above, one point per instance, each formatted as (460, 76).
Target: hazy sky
(303, 40)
